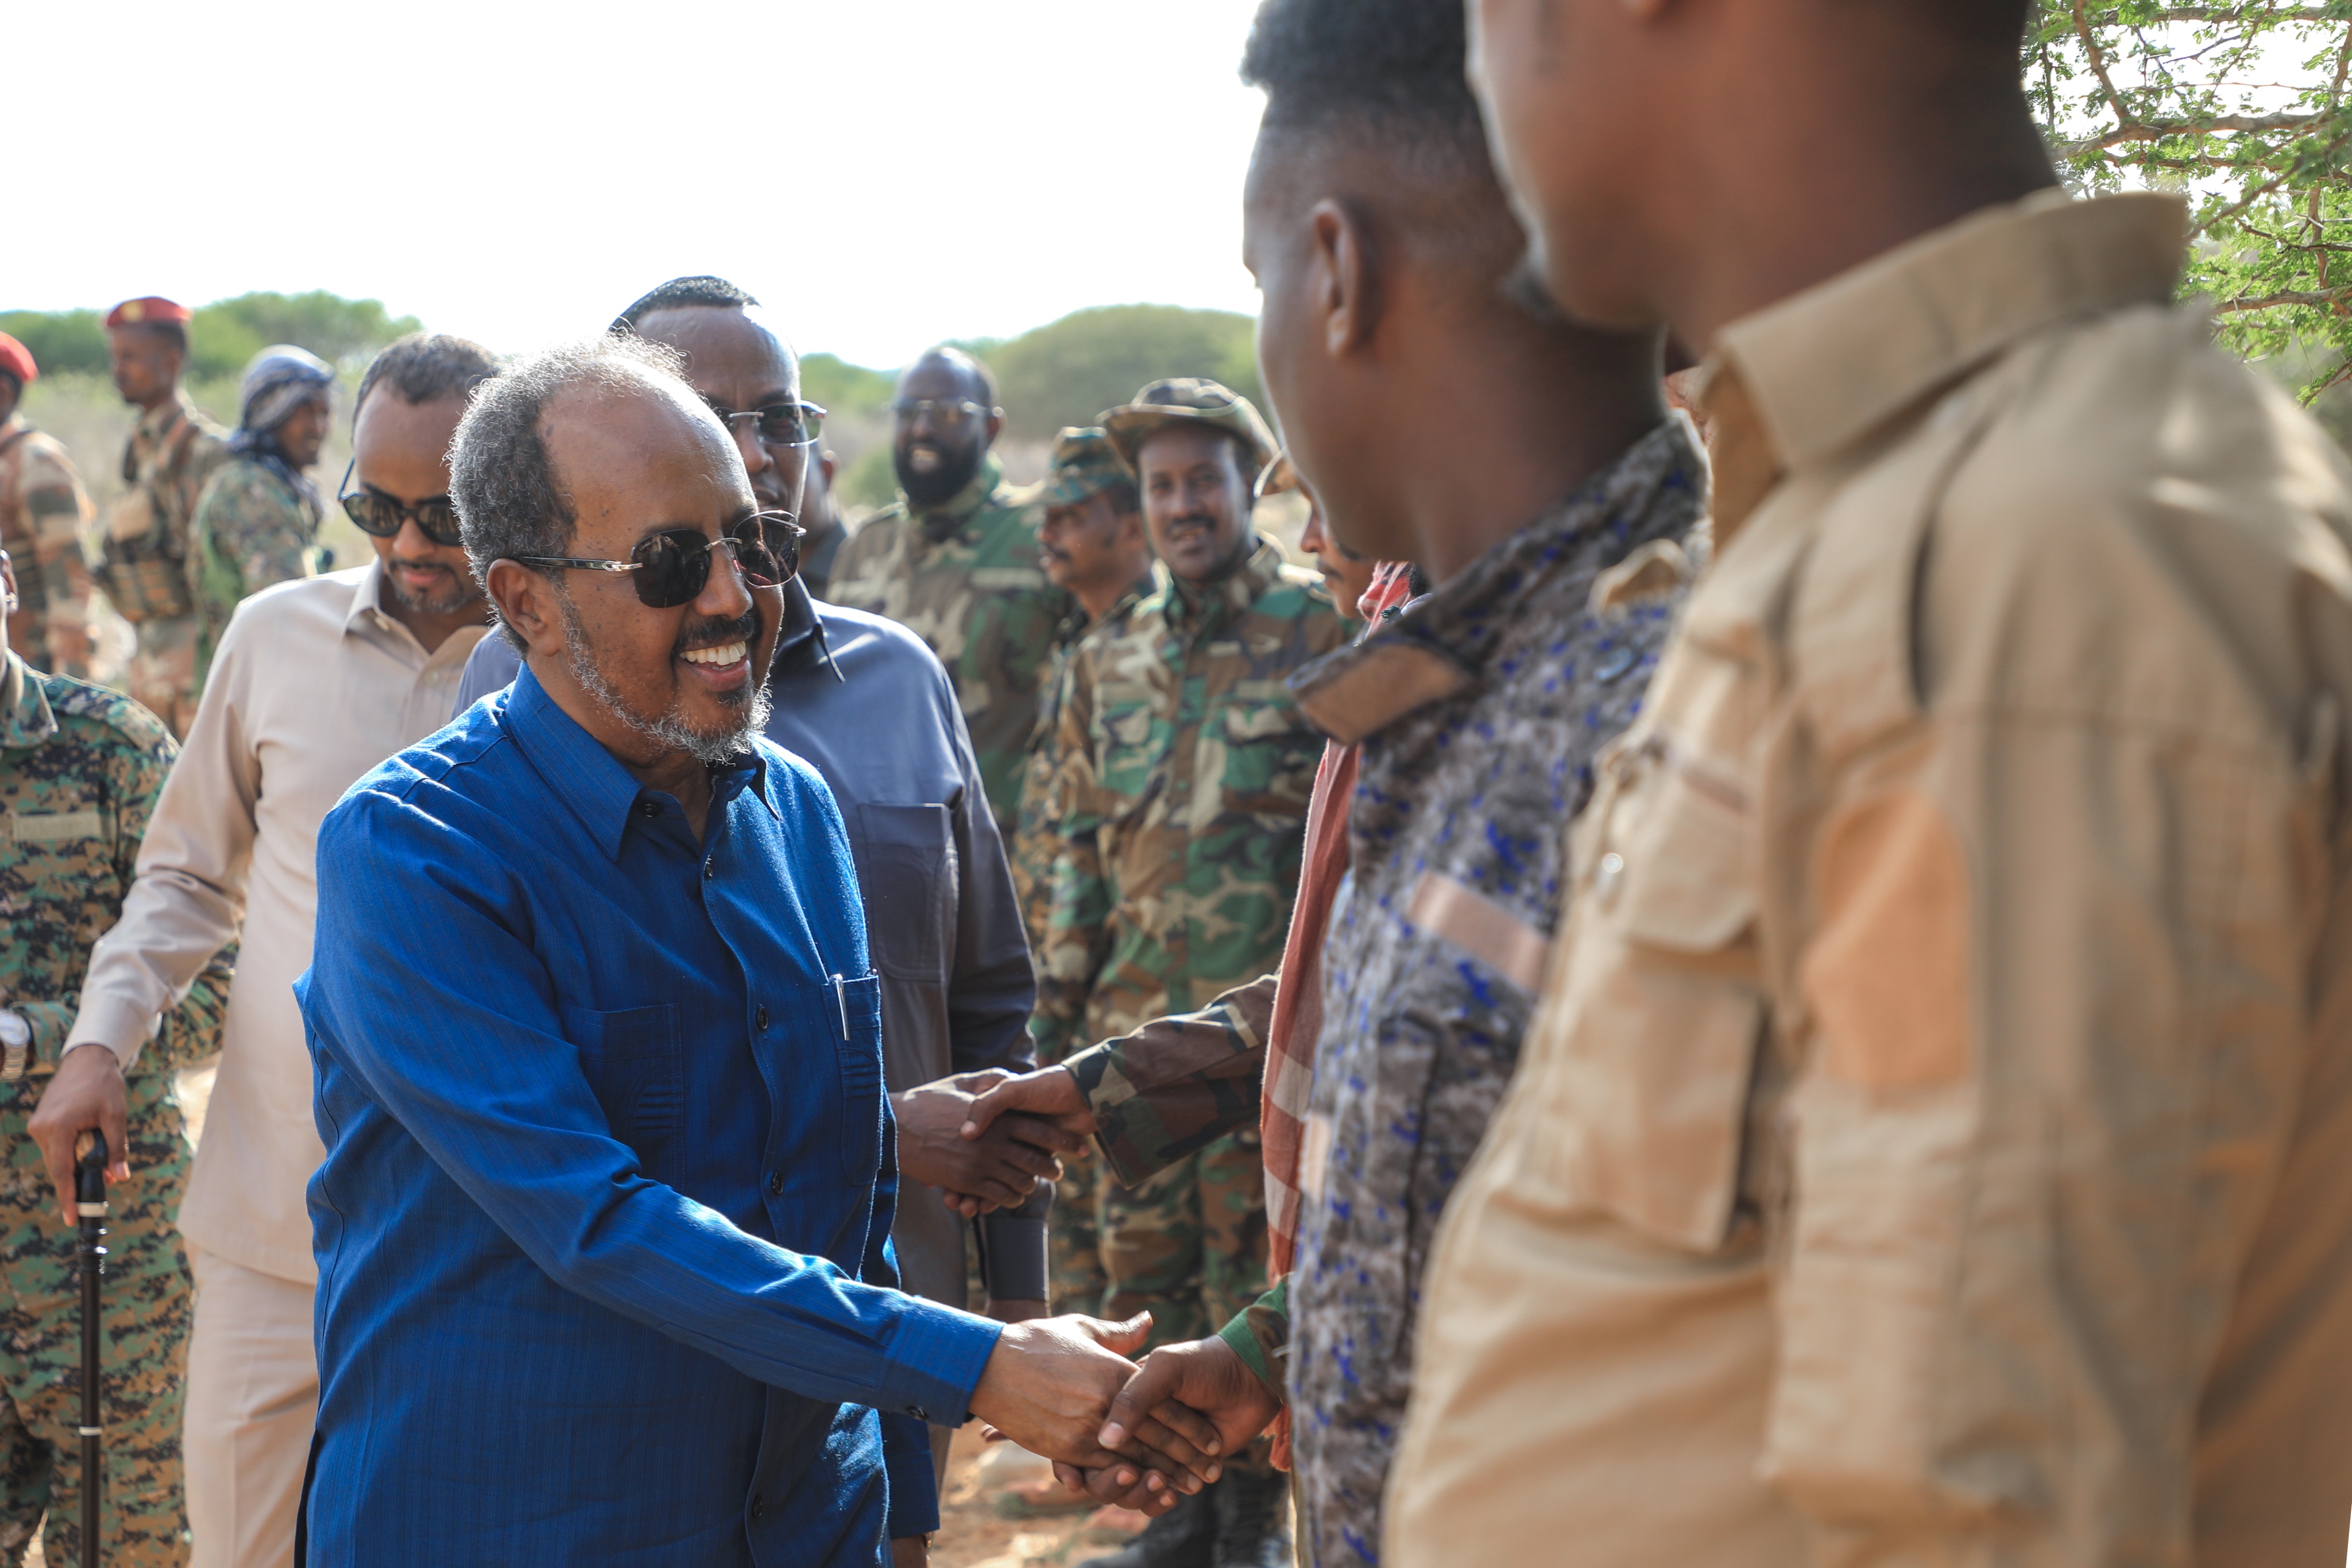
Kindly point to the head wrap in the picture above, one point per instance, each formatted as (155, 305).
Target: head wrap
(281, 379)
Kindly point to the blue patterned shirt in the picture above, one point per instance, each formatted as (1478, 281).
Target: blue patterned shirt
(601, 1227)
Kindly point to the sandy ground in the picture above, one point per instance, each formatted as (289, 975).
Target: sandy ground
(972, 1536)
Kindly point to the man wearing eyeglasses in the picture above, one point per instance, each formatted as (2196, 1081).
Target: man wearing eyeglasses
(955, 562)
(315, 682)
(861, 700)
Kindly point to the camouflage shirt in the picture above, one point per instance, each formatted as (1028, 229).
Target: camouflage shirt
(964, 578)
(252, 530)
(1479, 714)
(173, 451)
(80, 770)
(1034, 841)
(43, 511)
(1181, 799)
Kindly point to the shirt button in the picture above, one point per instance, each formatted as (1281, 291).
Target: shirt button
(758, 1506)
(761, 1018)
(649, 809)
(918, 1412)
(775, 1183)
(1607, 875)
(709, 870)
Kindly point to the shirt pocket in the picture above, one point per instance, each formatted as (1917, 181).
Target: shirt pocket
(1269, 752)
(633, 1062)
(912, 876)
(855, 1009)
(1126, 748)
(1660, 1011)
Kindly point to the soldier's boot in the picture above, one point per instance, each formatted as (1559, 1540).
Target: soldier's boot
(1183, 1537)
(1253, 1522)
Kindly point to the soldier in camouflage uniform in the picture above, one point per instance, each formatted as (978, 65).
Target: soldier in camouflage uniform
(145, 567)
(955, 562)
(258, 521)
(1092, 546)
(80, 770)
(43, 511)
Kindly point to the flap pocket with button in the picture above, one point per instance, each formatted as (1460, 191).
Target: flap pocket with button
(911, 884)
(632, 1061)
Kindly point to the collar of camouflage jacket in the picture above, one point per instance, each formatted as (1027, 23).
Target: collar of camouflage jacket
(950, 514)
(25, 720)
(1198, 606)
(1445, 642)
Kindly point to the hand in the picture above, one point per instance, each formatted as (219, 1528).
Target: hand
(88, 1092)
(1049, 1384)
(1016, 1311)
(910, 1551)
(975, 1176)
(1050, 1091)
(1203, 1376)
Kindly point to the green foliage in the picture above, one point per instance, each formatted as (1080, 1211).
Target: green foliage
(843, 389)
(62, 341)
(870, 481)
(2242, 108)
(1071, 370)
(225, 335)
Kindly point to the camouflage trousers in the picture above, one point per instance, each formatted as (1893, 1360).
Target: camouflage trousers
(163, 677)
(1073, 1249)
(146, 1303)
(1189, 1243)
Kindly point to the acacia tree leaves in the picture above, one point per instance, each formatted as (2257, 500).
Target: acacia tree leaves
(2242, 108)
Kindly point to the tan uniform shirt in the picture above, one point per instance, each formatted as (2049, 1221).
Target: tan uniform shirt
(1931, 1148)
(313, 686)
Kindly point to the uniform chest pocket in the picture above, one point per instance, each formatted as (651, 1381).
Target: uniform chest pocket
(1127, 746)
(1269, 754)
(634, 1062)
(854, 1010)
(912, 885)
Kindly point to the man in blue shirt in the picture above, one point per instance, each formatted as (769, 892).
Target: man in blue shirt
(602, 1227)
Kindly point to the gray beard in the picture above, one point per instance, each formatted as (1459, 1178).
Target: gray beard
(669, 729)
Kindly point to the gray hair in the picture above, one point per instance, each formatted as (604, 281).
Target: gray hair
(510, 502)
(425, 367)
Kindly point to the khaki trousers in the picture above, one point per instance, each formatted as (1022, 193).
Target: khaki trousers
(253, 1397)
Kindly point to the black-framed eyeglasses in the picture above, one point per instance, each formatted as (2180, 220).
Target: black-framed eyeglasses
(779, 423)
(672, 566)
(378, 513)
(947, 416)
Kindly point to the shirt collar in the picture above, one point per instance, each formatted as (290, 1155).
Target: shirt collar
(1259, 568)
(156, 423)
(26, 719)
(800, 639)
(950, 516)
(595, 788)
(1804, 379)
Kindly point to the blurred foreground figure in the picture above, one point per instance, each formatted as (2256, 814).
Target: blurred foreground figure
(43, 510)
(316, 682)
(1931, 1144)
(603, 1227)
(859, 699)
(148, 564)
(80, 770)
(955, 562)
(257, 522)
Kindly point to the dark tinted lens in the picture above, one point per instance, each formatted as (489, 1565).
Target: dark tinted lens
(439, 522)
(786, 425)
(671, 567)
(373, 513)
(768, 547)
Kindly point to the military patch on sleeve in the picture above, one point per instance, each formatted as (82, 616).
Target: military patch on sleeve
(55, 827)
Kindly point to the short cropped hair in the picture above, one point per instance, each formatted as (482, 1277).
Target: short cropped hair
(964, 361)
(509, 501)
(679, 292)
(1391, 68)
(425, 367)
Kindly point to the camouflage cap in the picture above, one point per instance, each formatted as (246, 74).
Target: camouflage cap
(1084, 464)
(1190, 399)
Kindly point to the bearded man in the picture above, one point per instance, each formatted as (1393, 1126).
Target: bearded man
(316, 681)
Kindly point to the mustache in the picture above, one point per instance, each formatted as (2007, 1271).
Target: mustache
(716, 631)
(1193, 520)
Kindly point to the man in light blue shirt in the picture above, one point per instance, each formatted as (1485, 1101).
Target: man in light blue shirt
(603, 1225)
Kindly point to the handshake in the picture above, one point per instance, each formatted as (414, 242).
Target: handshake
(1135, 1435)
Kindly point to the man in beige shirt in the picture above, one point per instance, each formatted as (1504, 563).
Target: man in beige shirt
(1931, 1146)
(316, 682)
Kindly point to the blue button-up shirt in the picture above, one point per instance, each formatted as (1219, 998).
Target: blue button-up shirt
(601, 1227)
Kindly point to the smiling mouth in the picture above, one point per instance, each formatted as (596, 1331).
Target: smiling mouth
(922, 457)
(725, 653)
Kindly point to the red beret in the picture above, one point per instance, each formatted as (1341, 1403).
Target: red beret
(17, 360)
(142, 312)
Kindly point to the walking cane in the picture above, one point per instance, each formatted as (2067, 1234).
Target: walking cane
(89, 1194)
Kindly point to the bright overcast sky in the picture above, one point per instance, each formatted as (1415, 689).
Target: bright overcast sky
(883, 174)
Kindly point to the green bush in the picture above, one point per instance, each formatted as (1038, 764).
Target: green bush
(1068, 372)
(62, 341)
(842, 388)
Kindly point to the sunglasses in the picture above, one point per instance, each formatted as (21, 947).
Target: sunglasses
(780, 423)
(672, 566)
(378, 513)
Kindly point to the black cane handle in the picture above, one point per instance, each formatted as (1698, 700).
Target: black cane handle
(90, 1170)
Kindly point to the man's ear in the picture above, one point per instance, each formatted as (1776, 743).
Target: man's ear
(826, 461)
(995, 424)
(526, 601)
(1344, 276)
